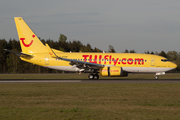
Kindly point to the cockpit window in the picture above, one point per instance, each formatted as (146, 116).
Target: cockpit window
(164, 60)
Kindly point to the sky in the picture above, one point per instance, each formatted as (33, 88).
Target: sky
(140, 25)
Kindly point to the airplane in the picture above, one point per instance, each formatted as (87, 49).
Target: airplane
(105, 64)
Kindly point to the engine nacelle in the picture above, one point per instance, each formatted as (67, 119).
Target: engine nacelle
(113, 71)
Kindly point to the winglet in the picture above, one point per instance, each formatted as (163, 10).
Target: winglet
(51, 52)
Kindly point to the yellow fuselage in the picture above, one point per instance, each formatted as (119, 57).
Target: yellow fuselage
(130, 62)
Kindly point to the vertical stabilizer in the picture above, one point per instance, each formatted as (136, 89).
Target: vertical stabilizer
(28, 40)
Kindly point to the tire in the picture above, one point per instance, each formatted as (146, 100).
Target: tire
(96, 76)
(156, 77)
(91, 76)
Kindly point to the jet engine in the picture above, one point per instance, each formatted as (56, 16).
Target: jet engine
(113, 71)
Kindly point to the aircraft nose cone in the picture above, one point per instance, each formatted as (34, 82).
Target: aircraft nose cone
(173, 65)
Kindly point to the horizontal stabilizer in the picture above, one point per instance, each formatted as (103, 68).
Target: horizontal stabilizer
(19, 54)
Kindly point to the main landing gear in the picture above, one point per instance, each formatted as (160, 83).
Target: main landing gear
(93, 76)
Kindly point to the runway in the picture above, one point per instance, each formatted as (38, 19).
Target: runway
(92, 81)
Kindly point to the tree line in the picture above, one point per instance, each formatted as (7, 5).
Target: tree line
(10, 63)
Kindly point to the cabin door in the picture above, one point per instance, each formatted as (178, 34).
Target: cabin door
(153, 61)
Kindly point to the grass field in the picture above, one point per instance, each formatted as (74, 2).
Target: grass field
(85, 101)
(69, 101)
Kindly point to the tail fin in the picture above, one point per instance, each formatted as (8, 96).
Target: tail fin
(28, 40)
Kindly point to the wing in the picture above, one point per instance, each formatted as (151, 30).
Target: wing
(77, 63)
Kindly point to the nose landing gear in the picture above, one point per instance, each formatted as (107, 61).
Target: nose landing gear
(156, 77)
(159, 73)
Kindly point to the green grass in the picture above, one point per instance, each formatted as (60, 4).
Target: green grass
(85, 76)
(96, 101)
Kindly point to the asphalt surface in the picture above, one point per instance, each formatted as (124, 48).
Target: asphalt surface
(92, 81)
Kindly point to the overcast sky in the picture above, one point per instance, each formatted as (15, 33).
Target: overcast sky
(140, 25)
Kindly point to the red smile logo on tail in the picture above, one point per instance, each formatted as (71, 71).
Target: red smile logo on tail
(27, 45)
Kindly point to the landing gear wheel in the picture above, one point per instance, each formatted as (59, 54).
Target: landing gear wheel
(156, 77)
(96, 76)
(91, 76)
